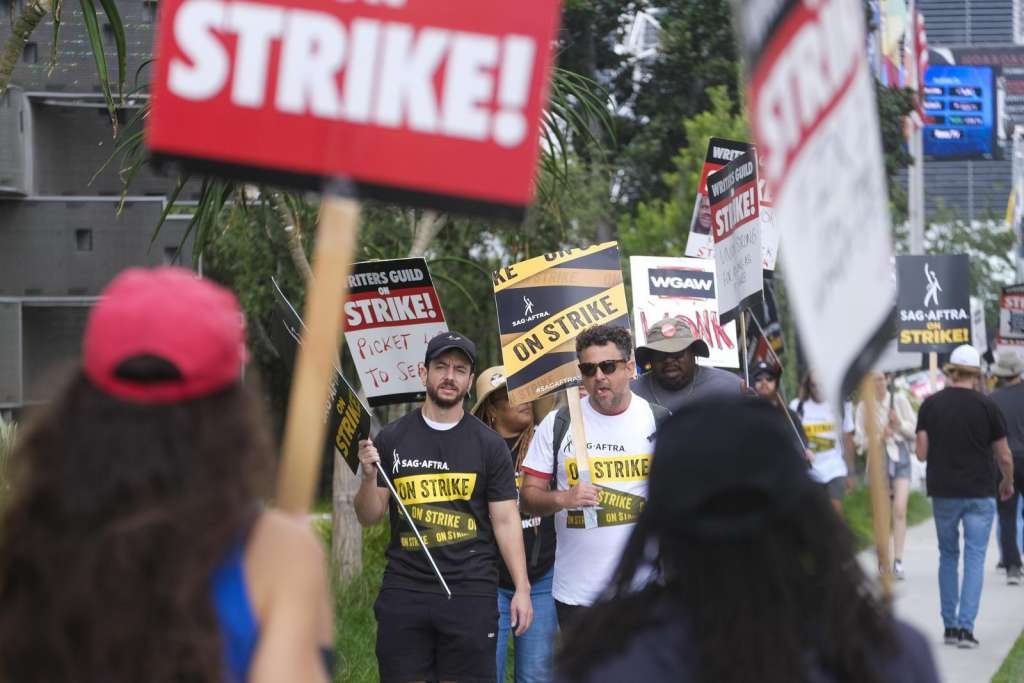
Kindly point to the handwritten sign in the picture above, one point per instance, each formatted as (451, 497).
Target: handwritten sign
(391, 314)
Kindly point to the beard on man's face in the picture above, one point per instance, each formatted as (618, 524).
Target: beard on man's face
(440, 401)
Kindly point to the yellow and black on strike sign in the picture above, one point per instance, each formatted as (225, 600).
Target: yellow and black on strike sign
(543, 305)
(934, 302)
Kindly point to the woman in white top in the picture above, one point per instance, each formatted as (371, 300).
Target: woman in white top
(897, 424)
(830, 439)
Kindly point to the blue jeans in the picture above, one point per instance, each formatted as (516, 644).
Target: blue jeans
(534, 649)
(960, 602)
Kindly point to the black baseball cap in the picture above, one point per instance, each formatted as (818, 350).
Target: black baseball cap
(763, 367)
(724, 468)
(446, 341)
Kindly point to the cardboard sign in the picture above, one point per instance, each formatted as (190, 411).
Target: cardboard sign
(684, 289)
(416, 101)
(817, 130)
(391, 314)
(544, 303)
(736, 228)
(934, 302)
(1011, 316)
(700, 243)
(348, 420)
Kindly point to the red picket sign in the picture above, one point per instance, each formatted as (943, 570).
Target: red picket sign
(415, 101)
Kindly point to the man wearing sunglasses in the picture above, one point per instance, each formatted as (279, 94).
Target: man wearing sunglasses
(675, 380)
(620, 428)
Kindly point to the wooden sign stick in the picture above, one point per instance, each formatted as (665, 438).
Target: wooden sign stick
(579, 440)
(878, 484)
(336, 240)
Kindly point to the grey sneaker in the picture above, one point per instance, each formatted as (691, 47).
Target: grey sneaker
(967, 640)
(1013, 576)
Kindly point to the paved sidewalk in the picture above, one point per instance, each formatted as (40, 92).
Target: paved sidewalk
(1000, 619)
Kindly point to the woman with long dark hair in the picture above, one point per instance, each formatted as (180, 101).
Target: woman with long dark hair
(134, 547)
(739, 570)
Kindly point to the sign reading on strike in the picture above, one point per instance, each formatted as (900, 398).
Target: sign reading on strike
(391, 313)
(543, 305)
(420, 101)
(682, 289)
(1011, 316)
(700, 243)
(812, 110)
(934, 302)
(736, 227)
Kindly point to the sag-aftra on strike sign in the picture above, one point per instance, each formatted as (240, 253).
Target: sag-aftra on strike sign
(414, 100)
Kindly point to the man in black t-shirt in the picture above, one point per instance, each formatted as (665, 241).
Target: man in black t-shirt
(958, 430)
(455, 477)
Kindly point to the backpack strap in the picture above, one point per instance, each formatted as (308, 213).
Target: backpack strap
(561, 428)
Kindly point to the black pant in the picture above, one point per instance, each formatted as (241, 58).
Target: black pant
(568, 615)
(1008, 518)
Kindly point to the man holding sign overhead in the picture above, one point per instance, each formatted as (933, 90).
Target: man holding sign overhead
(620, 429)
(455, 477)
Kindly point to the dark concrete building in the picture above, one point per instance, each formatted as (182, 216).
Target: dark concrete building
(64, 232)
(972, 190)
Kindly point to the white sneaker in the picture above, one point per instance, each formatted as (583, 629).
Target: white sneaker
(897, 571)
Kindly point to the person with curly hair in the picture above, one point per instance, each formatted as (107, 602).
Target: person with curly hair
(739, 570)
(135, 546)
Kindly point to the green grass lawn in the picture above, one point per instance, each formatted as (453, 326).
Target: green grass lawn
(857, 512)
(1012, 670)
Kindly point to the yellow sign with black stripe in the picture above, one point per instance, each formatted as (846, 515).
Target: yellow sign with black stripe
(544, 303)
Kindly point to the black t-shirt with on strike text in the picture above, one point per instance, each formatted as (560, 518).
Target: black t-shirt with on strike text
(446, 478)
(962, 425)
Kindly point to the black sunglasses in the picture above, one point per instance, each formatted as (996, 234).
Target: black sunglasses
(608, 367)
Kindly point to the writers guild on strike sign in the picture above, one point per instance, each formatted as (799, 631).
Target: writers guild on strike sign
(390, 316)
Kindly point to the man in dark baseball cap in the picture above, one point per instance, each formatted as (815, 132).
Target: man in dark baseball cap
(447, 341)
(674, 379)
(455, 477)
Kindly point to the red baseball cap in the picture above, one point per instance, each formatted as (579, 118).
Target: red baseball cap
(170, 313)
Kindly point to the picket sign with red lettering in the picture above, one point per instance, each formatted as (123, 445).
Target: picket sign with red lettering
(736, 228)
(666, 287)
(391, 313)
(415, 101)
(812, 111)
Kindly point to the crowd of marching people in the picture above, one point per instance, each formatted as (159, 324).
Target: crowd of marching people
(698, 536)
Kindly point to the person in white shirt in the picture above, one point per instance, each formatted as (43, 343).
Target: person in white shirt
(619, 427)
(832, 465)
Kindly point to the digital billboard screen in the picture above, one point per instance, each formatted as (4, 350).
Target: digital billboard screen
(960, 102)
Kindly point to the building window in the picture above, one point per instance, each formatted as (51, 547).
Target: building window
(170, 256)
(149, 10)
(30, 53)
(83, 239)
